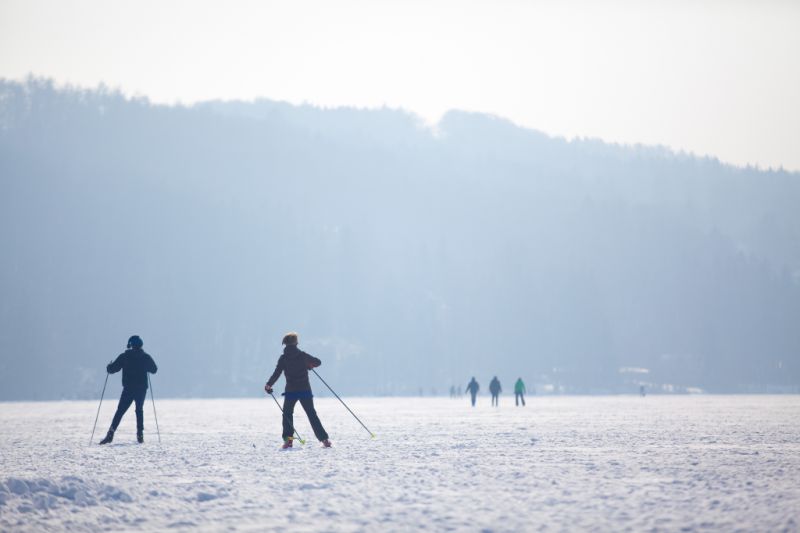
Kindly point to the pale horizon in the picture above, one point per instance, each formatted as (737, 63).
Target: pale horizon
(715, 80)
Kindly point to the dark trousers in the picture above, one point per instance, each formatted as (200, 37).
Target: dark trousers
(308, 407)
(473, 395)
(129, 396)
(495, 398)
(517, 397)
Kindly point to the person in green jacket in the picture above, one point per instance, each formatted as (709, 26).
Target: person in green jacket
(519, 392)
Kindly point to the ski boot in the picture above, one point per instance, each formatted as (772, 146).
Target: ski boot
(140, 437)
(326, 443)
(109, 437)
(287, 443)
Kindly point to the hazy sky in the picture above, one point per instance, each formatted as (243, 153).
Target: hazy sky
(719, 78)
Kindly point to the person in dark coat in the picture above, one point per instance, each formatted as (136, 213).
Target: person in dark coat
(495, 389)
(135, 363)
(473, 388)
(295, 364)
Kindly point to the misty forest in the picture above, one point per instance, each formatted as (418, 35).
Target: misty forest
(408, 257)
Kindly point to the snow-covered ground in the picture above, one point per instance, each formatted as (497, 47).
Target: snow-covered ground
(561, 463)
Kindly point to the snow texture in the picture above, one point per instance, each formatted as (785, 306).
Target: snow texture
(620, 463)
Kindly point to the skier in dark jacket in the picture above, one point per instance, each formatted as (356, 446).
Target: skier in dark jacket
(495, 389)
(473, 389)
(135, 363)
(295, 364)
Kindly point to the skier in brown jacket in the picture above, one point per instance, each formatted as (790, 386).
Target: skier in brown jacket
(295, 364)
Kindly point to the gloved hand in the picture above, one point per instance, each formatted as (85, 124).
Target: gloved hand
(108, 368)
(268, 388)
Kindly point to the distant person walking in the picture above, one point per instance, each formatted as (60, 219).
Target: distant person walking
(473, 388)
(135, 363)
(495, 389)
(519, 392)
(295, 364)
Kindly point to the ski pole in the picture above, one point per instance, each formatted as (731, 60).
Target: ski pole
(98, 408)
(155, 415)
(287, 419)
(371, 434)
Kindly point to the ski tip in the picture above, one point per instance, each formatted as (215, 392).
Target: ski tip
(302, 442)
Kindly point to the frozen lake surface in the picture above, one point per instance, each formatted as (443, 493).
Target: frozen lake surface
(561, 463)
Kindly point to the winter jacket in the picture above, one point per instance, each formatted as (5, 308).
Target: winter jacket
(473, 387)
(295, 363)
(519, 387)
(494, 386)
(135, 363)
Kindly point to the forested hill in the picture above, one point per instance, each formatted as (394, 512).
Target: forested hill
(407, 257)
